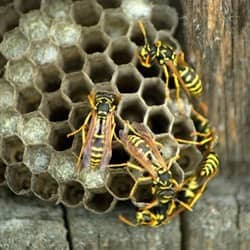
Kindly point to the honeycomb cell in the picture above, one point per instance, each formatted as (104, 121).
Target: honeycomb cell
(44, 52)
(21, 73)
(132, 109)
(65, 33)
(72, 193)
(18, 178)
(14, 44)
(8, 18)
(35, 129)
(94, 40)
(50, 78)
(153, 71)
(115, 24)
(190, 158)
(2, 171)
(58, 137)
(177, 172)
(72, 59)
(35, 25)
(119, 155)
(9, 121)
(164, 17)
(12, 149)
(44, 187)
(153, 92)
(27, 5)
(119, 183)
(159, 120)
(77, 87)
(109, 4)
(37, 157)
(28, 100)
(122, 51)
(182, 128)
(55, 107)
(100, 68)
(7, 98)
(99, 202)
(91, 12)
(127, 79)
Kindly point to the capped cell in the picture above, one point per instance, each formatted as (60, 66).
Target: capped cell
(7, 98)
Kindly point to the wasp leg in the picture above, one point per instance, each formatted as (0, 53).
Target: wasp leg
(178, 98)
(126, 221)
(198, 143)
(152, 204)
(167, 92)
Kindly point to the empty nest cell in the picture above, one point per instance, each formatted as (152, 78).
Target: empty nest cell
(94, 40)
(28, 100)
(86, 12)
(44, 187)
(18, 178)
(110, 3)
(2, 171)
(153, 71)
(72, 58)
(72, 193)
(12, 149)
(183, 128)
(142, 193)
(127, 79)
(119, 155)
(27, 5)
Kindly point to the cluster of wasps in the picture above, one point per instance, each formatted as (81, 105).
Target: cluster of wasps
(170, 196)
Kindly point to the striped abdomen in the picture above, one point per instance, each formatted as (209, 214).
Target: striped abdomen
(209, 164)
(96, 153)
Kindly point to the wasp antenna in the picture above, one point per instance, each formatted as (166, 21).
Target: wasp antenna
(126, 221)
(142, 28)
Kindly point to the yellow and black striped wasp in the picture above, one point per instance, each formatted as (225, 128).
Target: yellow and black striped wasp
(96, 150)
(172, 61)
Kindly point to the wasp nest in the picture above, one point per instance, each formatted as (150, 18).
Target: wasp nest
(52, 54)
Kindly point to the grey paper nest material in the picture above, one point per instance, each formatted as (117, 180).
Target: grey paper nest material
(52, 60)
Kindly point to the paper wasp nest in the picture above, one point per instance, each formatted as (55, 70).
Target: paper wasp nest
(52, 54)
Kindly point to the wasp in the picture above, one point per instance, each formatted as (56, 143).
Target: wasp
(96, 150)
(184, 76)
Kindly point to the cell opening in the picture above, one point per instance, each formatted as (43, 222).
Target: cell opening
(182, 130)
(154, 93)
(110, 3)
(143, 193)
(127, 81)
(78, 87)
(91, 12)
(133, 111)
(100, 69)
(28, 100)
(184, 162)
(50, 80)
(2, 171)
(73, 193)
(119, 155)
(13, 149)
(9, 18)
(153, 71)
(158, 122)
(44, 186)
(3, 62)
(18, 178)
(94, 41)
(59, 139)
(27, 5)
(115, 25)
(78, 116)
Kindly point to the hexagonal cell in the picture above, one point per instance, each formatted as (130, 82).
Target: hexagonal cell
(190, 158)
(27, 5)
(94, 40)
(13, 149)
(50, 78)
(72, 193)
(132, 109)
(122, 51)
(55, 108)
(115, 24)
(28, 100)
(183, 127)
(153, 71)
(127, 79)
(164, 17)
(99, 202)
(91, 12)
(44, 187)
(2, 171)
(8, 18)
(18, 178)
(37, 158)
(58, 137)
(119, 183)
(109, 4)
(7, 98)
(153, 92)
(72, 59)
(35, 25)
(14, 44)
(77, 87)
(100, 68)
(119, 155)
(159, 120)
